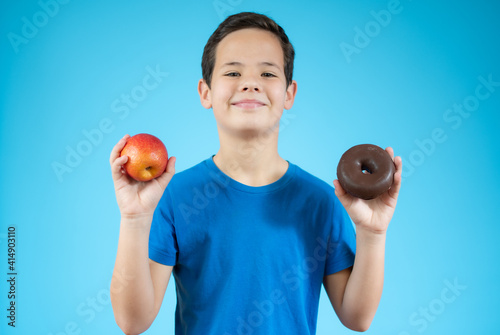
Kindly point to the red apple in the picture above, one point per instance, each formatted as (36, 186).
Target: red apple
(147, 157)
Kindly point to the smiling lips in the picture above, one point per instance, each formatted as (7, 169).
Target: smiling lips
(248, 104)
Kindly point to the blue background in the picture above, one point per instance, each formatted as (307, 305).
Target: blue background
(67, 76)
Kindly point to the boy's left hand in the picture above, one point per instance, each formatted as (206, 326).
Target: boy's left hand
(373, 215)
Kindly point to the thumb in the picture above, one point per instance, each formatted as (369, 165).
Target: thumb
(344, 197)
(165, 178)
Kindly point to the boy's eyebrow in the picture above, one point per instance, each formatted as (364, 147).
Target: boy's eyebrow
(240, 64)
(270, 64)
(232, 64)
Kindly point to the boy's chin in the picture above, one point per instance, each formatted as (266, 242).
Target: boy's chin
(263, 132)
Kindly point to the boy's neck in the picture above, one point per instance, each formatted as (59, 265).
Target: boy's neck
(252, 161)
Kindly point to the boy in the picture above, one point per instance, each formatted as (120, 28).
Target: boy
(249, 236)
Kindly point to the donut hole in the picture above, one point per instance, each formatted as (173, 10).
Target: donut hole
(366, 169)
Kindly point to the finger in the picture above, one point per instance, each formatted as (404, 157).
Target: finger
(339, 190)
(165, 178)
(344, 197)
(117, 166)
(399, 163)
(171, 165)
(115, 152)
(396, 185)
(390, 151)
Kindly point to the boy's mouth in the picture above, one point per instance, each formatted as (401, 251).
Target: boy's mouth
(248, 104)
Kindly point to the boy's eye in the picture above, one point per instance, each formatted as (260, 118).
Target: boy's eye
(237, 74)
(267, 74)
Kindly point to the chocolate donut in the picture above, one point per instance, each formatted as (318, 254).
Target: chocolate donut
(366, 171)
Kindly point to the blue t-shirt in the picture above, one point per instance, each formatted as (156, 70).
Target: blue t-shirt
(249, 260)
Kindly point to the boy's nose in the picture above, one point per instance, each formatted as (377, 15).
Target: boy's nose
(250, 84)
(251, 88)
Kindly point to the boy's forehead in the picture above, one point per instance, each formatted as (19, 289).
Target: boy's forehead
(250, 44)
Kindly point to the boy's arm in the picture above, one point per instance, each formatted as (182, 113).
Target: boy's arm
(138, 284)
(355, 292)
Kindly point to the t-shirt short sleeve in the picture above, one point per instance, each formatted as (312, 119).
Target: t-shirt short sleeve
(163, 246)
(341, 242)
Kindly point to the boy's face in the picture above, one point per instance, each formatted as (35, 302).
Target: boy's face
(248, 90)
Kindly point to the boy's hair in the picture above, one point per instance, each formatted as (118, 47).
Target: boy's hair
(240, 21)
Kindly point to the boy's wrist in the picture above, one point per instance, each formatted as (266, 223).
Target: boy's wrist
(365, 235)
(136, 221)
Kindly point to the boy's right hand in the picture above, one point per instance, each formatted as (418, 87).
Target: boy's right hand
(135, 198)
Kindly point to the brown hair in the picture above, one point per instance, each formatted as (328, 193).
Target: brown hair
(242, 21)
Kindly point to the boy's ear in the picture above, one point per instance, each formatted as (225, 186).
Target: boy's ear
(205, 94)
(290, 94)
